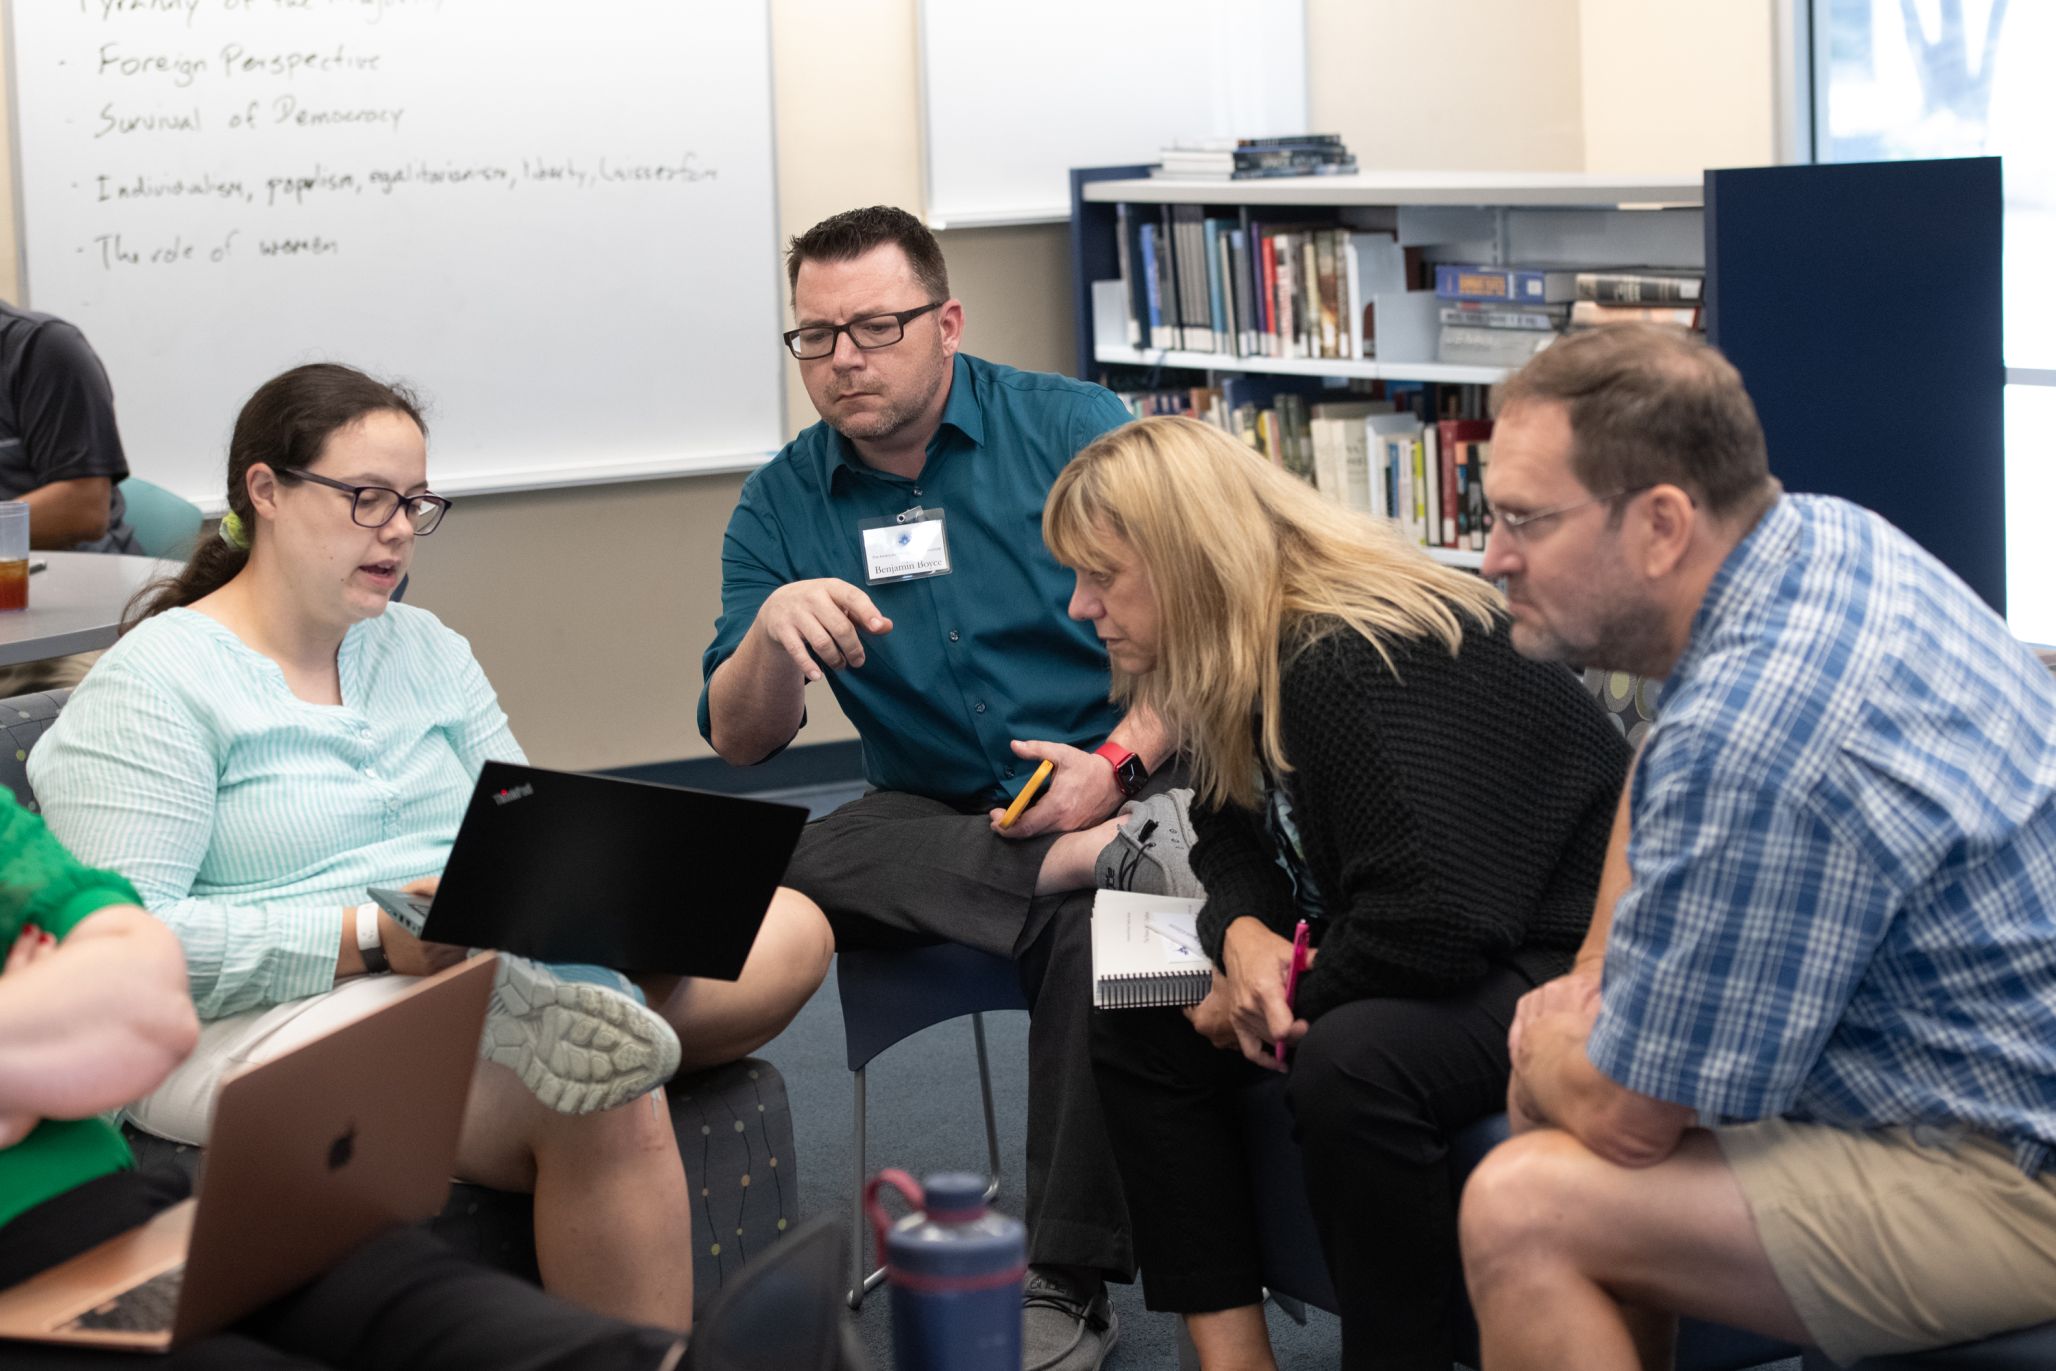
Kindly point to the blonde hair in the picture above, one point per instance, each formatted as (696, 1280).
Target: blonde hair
(1249, 567)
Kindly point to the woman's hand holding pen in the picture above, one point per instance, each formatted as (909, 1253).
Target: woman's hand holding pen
(1257, 962)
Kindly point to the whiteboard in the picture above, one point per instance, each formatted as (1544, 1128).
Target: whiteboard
(557, 221)
(1013, 97)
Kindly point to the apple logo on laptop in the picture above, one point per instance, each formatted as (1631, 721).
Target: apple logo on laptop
(342, 1149)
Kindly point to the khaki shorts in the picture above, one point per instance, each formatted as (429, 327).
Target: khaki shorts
(182, 1107)
(1898, 1239)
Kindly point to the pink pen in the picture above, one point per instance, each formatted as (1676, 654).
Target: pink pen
(1292, 977)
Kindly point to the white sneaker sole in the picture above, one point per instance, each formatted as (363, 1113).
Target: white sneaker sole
(579, 1047)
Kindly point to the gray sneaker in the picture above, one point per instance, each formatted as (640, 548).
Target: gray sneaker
(1063, 1329)
(580, 1046)
(1152, 853)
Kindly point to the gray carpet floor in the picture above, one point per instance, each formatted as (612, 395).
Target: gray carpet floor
(925, 1116)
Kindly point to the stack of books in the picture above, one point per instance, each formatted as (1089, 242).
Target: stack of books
(1501, 316)
(1639, 295)
(1241, 159)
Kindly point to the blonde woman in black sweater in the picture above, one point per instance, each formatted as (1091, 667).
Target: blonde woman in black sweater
(1369, 754)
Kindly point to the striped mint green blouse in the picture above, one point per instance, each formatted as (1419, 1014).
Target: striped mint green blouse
(248, 818)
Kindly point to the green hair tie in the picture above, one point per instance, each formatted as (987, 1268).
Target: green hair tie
(233, 533)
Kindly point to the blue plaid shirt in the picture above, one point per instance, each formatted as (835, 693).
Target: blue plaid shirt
(1844, 850)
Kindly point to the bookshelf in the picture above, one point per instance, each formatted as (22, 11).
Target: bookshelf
(1859, 301)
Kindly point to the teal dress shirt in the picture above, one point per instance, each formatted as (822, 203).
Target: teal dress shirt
(975, 658)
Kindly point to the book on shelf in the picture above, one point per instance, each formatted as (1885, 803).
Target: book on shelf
(1641, 286)
(1195, 313)
(1246, 323)
(1342, 449)
(1145, 951)
(1598, 314)
(1484, 314)
(1155, 326)
(1522, 285)
(1458, 441)
(1491, 347)
(1124, 253)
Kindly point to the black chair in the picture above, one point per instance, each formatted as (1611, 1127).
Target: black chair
(888, 995)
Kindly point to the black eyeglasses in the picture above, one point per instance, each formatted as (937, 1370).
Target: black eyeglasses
(877, 331)
(375, 506)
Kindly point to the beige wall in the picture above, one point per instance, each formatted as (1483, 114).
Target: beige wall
(1462, 85)
(1670, 85)
(589, 607)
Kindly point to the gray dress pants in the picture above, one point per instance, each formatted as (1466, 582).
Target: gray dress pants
(899, 870)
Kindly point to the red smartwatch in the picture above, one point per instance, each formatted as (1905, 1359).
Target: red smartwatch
(1129, 772)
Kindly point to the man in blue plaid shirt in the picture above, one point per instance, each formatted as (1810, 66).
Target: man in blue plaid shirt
(1804, 1078)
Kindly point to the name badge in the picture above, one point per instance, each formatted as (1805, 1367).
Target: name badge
(905, 547)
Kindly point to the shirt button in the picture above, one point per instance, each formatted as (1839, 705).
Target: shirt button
(1008, 773)
(980, 706)
(952, 635)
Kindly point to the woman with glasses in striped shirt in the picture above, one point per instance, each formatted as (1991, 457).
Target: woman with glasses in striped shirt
(273, 735)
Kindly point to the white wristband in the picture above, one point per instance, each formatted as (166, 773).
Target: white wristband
(370, 940)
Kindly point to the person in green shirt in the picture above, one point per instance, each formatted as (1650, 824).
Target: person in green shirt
(82, 1032)
(95, 1011)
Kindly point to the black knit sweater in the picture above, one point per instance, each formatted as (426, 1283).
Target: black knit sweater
(1454, 814)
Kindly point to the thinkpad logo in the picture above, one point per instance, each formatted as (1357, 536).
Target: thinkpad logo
(513, 793)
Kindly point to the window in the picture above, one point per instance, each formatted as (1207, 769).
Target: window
(1956, 78)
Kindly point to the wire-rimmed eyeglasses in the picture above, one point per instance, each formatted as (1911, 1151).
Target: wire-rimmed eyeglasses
(1519, 527)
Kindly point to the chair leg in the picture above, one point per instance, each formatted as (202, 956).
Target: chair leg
(860, 1281)
(991, 1125)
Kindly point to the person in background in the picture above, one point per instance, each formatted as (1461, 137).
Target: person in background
(274, 736)
(94, 1011)
(1809, 1087)
(960, 675)
(60, 450)
(61, 455)
(1369, 756)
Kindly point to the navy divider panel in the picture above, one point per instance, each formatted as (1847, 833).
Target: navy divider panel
(1861, 303)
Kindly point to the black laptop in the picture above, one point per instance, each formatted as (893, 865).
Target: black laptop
(641, 877)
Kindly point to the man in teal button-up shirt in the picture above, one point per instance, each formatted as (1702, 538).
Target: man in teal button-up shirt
(959, 685)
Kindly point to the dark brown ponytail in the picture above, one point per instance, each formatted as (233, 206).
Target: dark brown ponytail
(285, 425)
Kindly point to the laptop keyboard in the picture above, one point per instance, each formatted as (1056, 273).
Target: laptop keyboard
(145, 1308)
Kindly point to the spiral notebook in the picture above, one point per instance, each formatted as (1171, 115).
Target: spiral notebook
(1145, 951)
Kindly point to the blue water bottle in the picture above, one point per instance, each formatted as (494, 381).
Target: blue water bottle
(955, 1269)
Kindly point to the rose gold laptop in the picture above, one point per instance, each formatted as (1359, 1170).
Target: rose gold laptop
(312, 1154)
